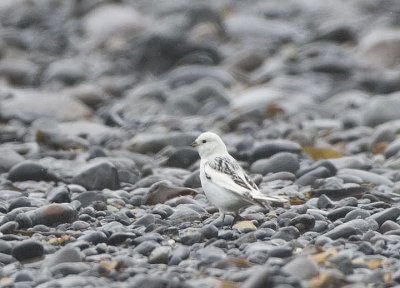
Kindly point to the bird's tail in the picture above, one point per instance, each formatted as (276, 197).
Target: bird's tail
(272, 199)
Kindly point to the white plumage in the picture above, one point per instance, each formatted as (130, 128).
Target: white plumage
(224, 182)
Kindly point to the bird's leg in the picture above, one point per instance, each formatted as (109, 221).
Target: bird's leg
(235, 218)
(222, 216)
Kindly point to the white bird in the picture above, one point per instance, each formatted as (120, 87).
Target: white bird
(225, 183)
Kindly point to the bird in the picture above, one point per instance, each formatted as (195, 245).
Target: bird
(224, 182)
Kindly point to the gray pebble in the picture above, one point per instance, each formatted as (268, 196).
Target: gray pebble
(280, 162)
(301, 268)
(98, 176)
(27, 249)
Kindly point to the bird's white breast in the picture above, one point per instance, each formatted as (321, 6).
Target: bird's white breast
(222, 198)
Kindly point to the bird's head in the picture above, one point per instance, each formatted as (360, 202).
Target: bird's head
(208, 144)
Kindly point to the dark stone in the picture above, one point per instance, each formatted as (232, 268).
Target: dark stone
(60, 194)
(169, 50)
(98, 176)
(182, 158)
(324, 202)
(280, 162)
(28, 170)
(310, 177)
(89, 197)
(339, 212)
(19, 202)
(64, 255)
(287, 233)
(120, 237)
(271, 147)
(27, 249)
(387, 214)
(303, 222)
(52, 214)
(94, 237)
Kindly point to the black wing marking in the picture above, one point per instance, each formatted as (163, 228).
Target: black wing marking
(228, 166)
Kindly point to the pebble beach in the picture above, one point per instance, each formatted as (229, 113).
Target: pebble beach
(100, 101)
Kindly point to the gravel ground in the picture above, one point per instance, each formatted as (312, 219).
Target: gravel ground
(100, 99)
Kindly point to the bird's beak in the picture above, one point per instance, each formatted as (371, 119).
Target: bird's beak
(194, 144)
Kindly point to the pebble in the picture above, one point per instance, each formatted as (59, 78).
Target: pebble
(301, 268)
(160, 255)
(387, 214)
(303, 223)
(28, 170)
(8, 159)
(310, 177)
(98, 176)
(52, 214)
(184, 214)
(272, 147)
(245, 226)
(59, 195)
(27, 249)
(280, 162)
(367, 176)
(182, 158)
(99, 186)
(64, 255)
(162, 191)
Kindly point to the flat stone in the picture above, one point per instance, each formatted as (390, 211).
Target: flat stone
(27, 249)
(301, 268)
(245, 226)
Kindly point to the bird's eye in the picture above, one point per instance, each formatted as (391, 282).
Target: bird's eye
(204, 141)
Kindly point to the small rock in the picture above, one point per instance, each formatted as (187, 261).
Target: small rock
(112, 20)
(339, 212)
(387, 214)
(8, 159)
(145, 220)
(272, 147)
(324, 202)
(301, 268)
(69, 268)
(287, 233)
(64, 255)
(146, 247)
(90, 197)
(159, 255)
(141, 280)
(162, 191)
(381, 48)
(389, 225)
(342, 231)
(153, 143)
(60, 194)
(5, 247)
(209, 231)
(310, 177)
(303, 222)
(280, 162)
(190, 236)
(28, 170)
(245, 226)
(182, 158)
(98, 176)
(382, 109)
(28, 106)
(53, 214)
(27, 249)
(210, 254)
(95, 237)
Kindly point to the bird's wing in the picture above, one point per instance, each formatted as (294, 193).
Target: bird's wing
(225, 172)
